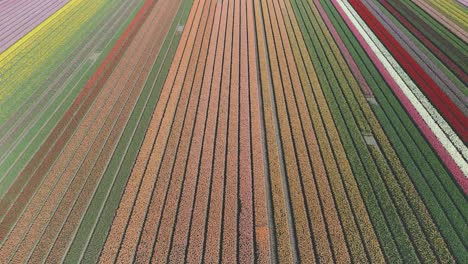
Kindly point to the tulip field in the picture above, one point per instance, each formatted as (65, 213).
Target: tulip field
(233, 131)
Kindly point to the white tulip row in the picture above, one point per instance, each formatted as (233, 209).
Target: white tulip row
(440, 128)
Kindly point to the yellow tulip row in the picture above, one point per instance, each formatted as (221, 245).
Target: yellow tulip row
(36, 50)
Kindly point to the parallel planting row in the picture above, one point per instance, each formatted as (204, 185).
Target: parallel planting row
(22, 16)
(174, 207)
(237, 131)
(56, 86)
(434, 183)
(401, 196)
(343, 161)
(60, 186)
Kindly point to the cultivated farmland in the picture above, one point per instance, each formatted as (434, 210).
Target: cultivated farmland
(233, 131)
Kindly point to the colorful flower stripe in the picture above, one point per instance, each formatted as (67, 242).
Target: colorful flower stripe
(443, 77)
(456, 29)
(435, 185)
(26, 130)
(129, 100)
(235, 131)
(25, 57)
(463, 2)
(5, 5)
(363, 84)
(427, 36)
(448, 109)
(23, 17)
(443, 38)
(453, 155)
(452, 10)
